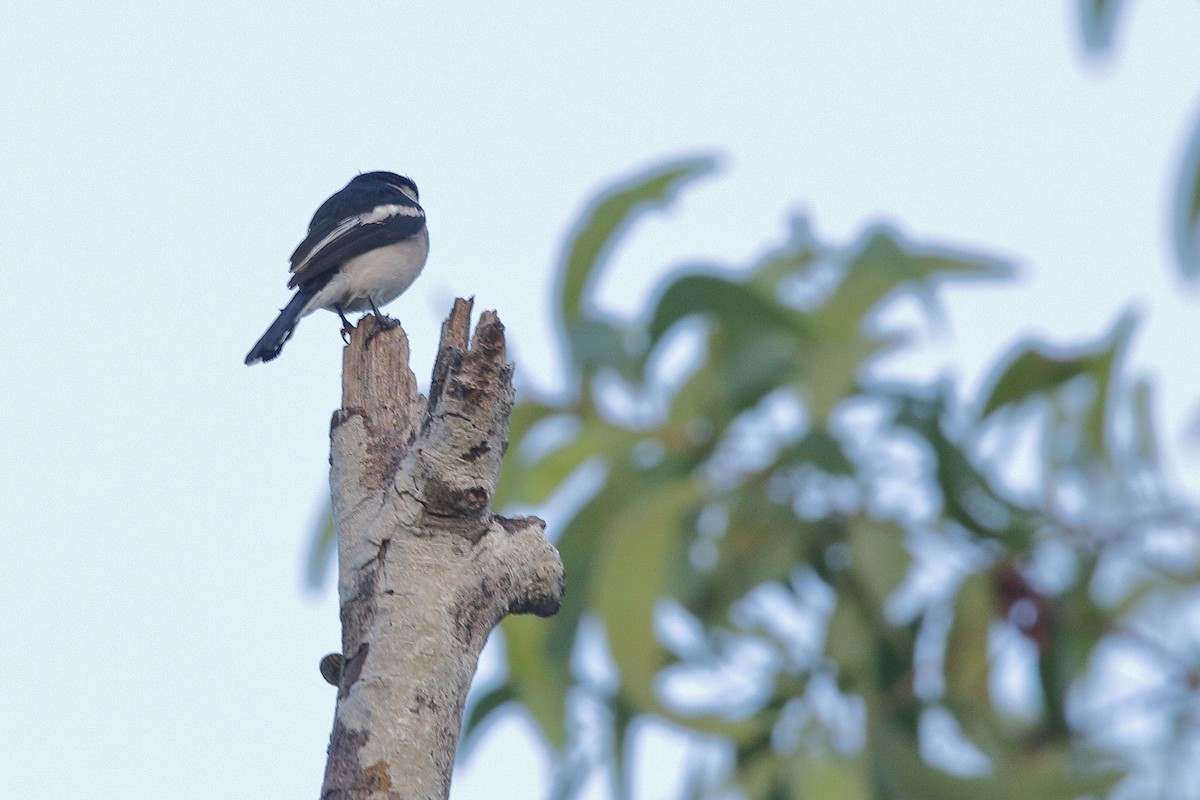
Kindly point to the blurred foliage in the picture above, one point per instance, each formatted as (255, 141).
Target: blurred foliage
(1099, 22)
(822, 574)
(842, 586)
(1186, 224)
(833, 581)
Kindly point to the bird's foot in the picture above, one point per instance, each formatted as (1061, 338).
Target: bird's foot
(382, 323)
(346, 326)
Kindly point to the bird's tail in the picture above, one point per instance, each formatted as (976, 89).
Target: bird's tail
(280, 331)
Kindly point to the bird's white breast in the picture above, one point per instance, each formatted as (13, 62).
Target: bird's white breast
(381, 275)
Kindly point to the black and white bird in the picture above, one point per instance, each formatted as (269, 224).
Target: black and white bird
(365, 246)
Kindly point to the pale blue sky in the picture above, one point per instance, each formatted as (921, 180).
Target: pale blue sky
(160, 161)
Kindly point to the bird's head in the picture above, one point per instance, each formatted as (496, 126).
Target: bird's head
(401, 182)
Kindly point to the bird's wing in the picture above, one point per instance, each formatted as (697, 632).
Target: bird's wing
(332, 242)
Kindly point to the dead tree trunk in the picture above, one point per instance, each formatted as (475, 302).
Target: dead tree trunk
(426, 571)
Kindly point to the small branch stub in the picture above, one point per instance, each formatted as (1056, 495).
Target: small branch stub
(426, 570)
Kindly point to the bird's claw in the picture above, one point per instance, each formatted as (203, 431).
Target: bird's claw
(385, 323)
(382, 321)
(382, 324)
(346, 326)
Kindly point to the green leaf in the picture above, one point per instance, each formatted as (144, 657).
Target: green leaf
(936, 265)
(901, 774)
(840, 341)
(968, 496)
(1038, 369)
(871, 652)
(1075, 437)
(967, 666)
(762, 774)
(1145, 439)
(513, 471)
(579, 544)
(827, 777)
(1032, 373)
(883, 263)
(480, 710)
(795, 256)
(822, 450)
(878, 556)
(527, 413)
(622, 737)
(533, 483)
(570, 775)
(740, 732)
(757, 344)
(872, 273)
(851, 642)
(639, 547)
(966, 663)
(606, 221)
(763, 542)
(1075, 625)
(1098, 24)
(598, 343)
(833, 366)
(732, 303)
(752, 363)
(539, 675)
(701, 410)
(1186, 209)
(321, 550)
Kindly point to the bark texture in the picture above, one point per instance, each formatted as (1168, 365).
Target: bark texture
(425, 569)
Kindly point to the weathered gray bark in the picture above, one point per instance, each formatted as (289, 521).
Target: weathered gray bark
(425, 569)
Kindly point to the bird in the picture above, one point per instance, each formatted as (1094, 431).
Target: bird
(365, 246)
